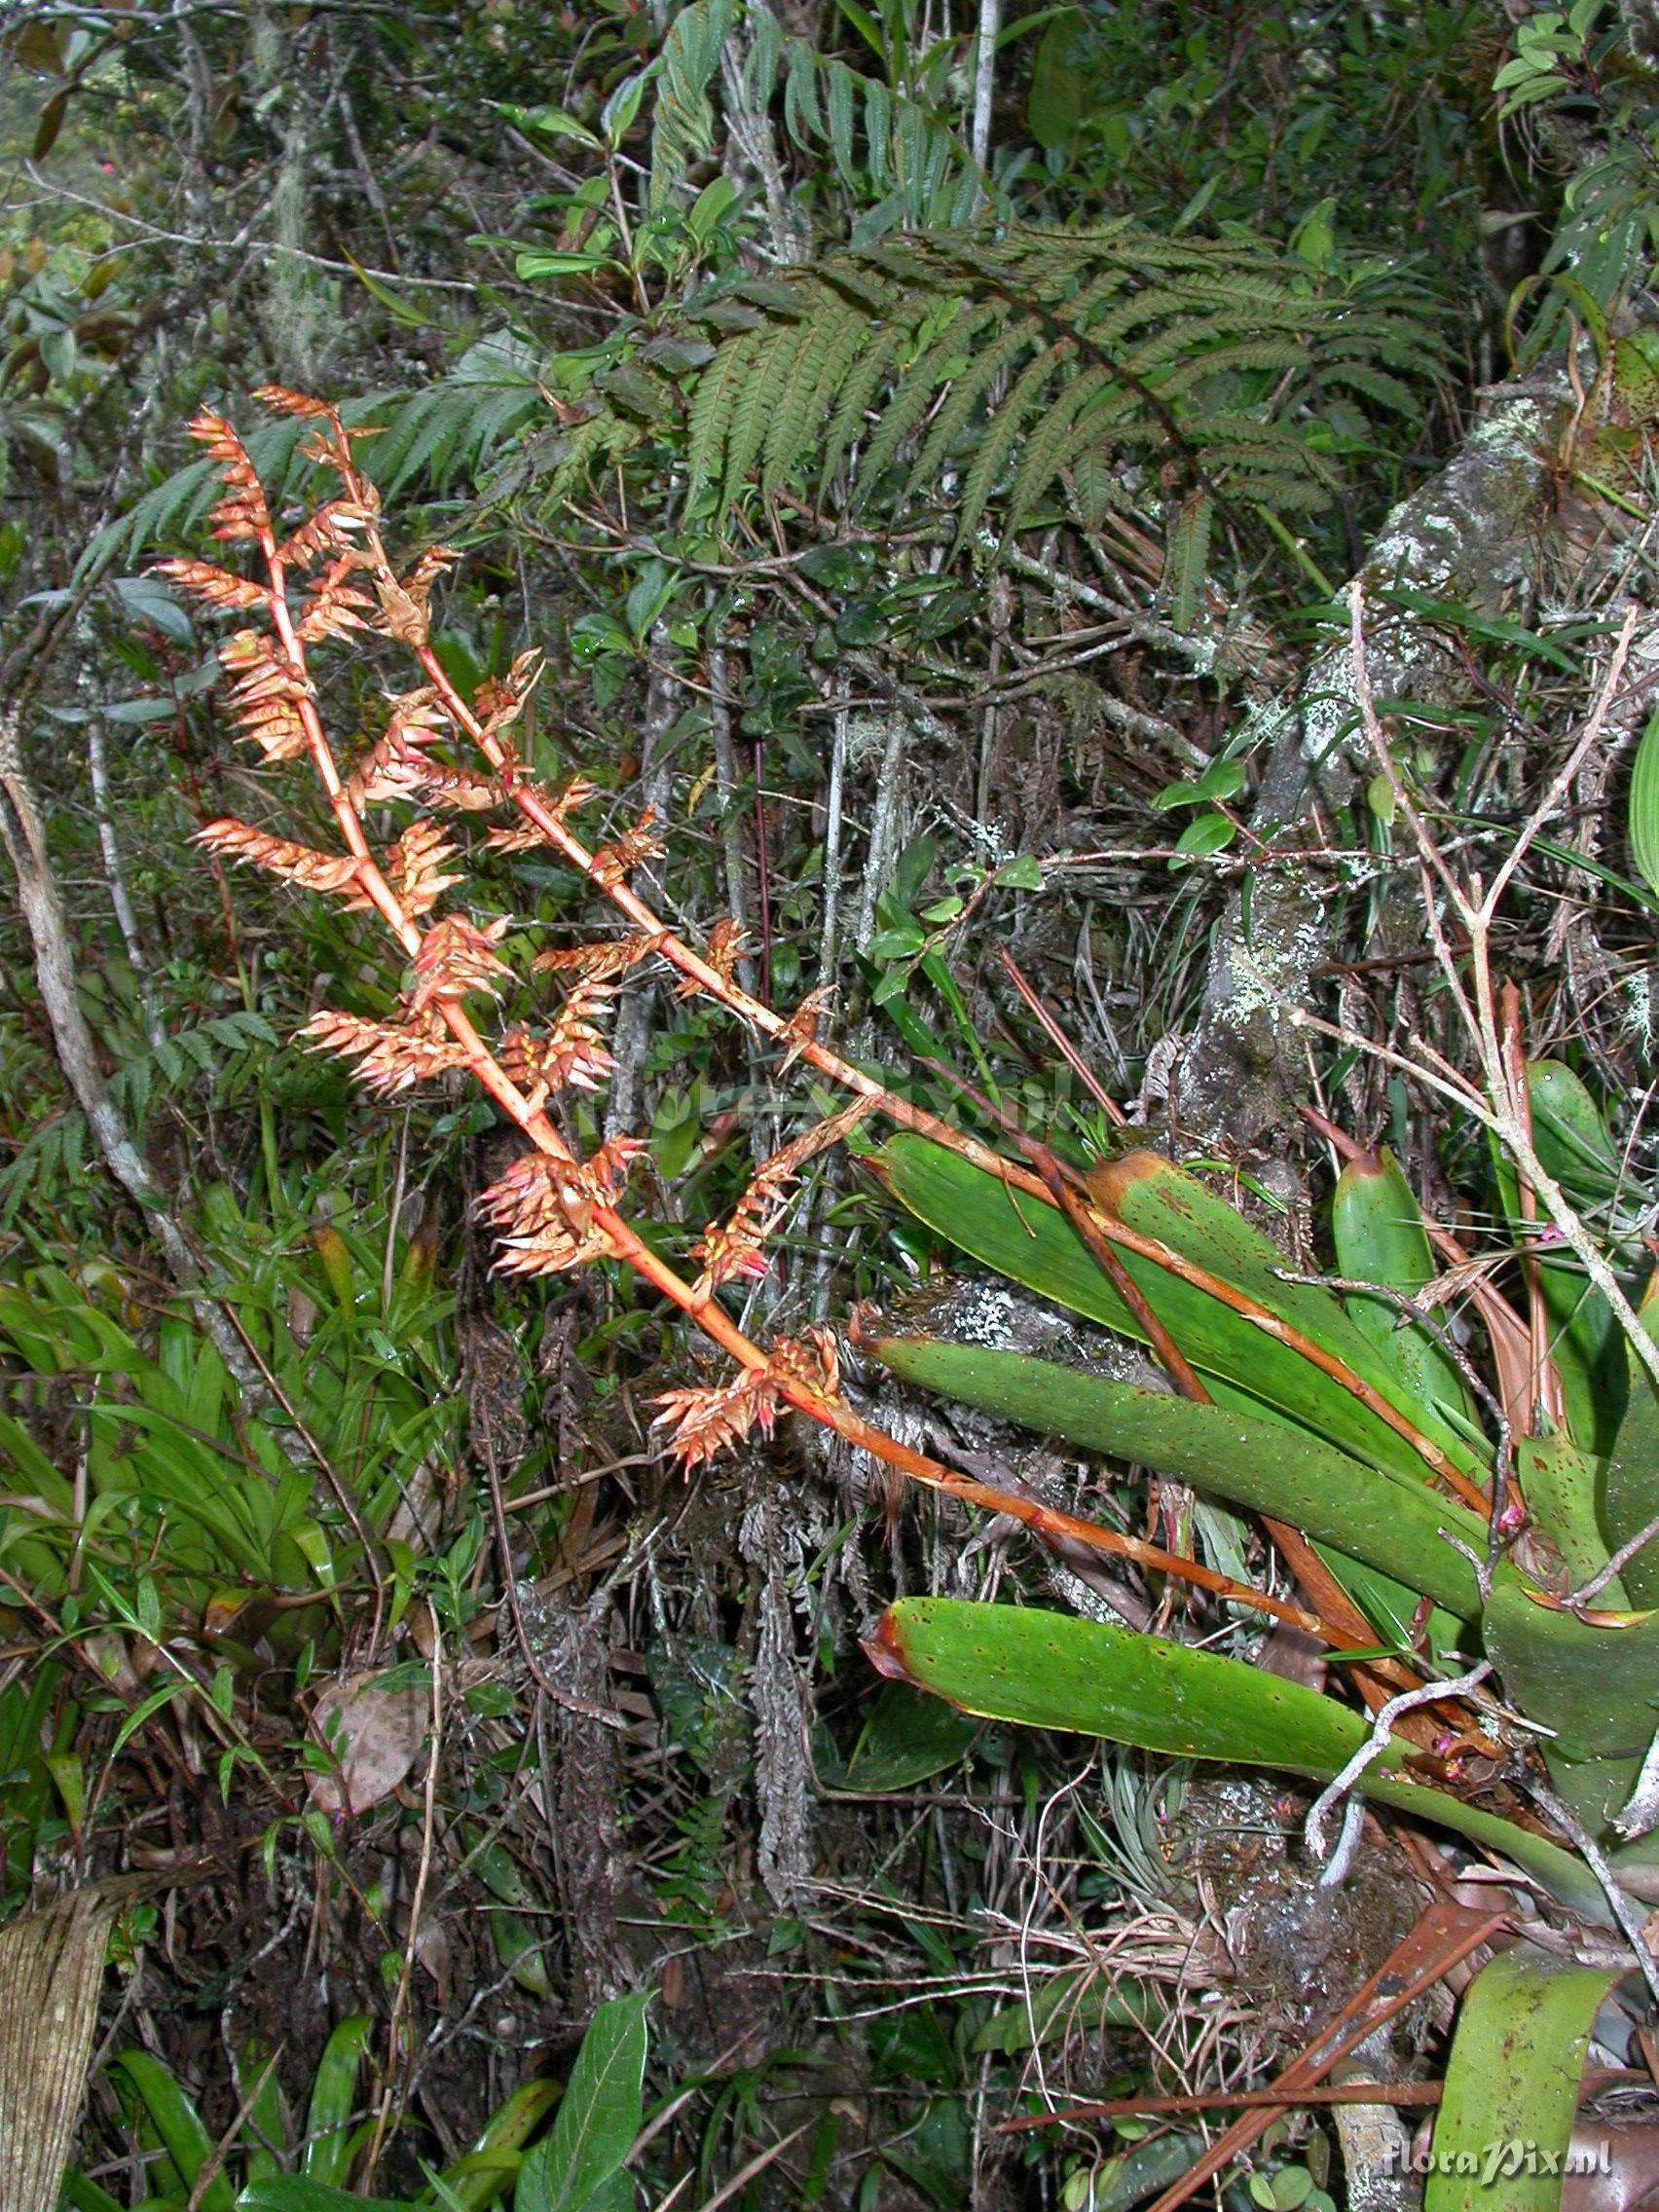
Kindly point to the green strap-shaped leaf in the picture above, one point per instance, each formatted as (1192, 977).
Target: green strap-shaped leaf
(333, 2100)
(1631, 1492)
(1050, 1671)
(1246, 1458)
(1512, 2084)
(1594, 1685)
(1645, 804)
(1378, 1229)
(178, 2125)
(1029, 1242)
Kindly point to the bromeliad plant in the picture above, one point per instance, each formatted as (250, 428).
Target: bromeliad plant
(1423, 1512)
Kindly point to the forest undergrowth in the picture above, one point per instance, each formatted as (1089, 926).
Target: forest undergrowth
(826, 1366)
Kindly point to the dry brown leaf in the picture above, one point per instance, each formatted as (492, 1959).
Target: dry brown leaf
(372, 1730)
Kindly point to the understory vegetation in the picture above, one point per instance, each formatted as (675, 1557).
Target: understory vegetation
(827, 1364)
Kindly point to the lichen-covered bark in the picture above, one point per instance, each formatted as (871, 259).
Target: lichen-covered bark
(1472, 534)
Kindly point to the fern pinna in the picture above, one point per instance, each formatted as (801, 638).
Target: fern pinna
(551, 1210)
(993, 375)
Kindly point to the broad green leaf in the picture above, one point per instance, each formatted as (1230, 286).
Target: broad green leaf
(1512, 2083)
(1559, 1484)
(1595, 1686)
(906, 1738)
(599, 2117)
(178, 2125)
(1051, 1671)
(1053, 106)
(1630, 1498)
(1571, 1134)
(1249, 1459)
(484, 2174)
(1029, 1242)
(298, 2192)
(1645, 804)
(333, 2101)
(1378, 1229)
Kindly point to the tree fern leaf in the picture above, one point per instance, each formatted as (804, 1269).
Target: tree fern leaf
(1003, 429)
(770, 373)
(803, 119)
(816, 375)
(985, 364)
(1261, 355)
(838, 89)
(1188, 559)
(765, 49)
(878, 123)
(712, 405)
(1374, 385)
(965, 201)
(1039, 462)
(909, 154)
(683, 121)
(856, 394)
(917, 385)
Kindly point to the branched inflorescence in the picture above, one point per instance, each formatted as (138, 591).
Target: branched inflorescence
(551, 1211)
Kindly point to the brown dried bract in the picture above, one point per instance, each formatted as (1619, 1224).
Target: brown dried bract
(265, 696)
(596, 963)
(707, 1421)
(568, 1054)
(414, 869)
(542, 1213)
(612, 864)
(242, 513)
(389, 1055)
(813, 1359)
(279, 856)
(736, 1246)
(722, 952)
(802, 1028)
(456, 958)
(215, 586)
